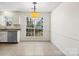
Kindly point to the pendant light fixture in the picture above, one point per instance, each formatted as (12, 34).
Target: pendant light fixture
(34, 14)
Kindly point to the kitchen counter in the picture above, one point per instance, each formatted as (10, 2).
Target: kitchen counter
(9, 28)
(9, 33)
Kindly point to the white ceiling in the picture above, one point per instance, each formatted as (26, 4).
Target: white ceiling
(28, 6)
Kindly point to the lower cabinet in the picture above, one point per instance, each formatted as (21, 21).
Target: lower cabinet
(3, 36)
(8, 36)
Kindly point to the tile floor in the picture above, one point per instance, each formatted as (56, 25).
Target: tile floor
(29, 49)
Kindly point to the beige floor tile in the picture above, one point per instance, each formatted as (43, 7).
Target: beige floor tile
(29, 49)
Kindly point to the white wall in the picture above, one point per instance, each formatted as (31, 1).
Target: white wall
(65, 28)
(14, 15)
(46, 25)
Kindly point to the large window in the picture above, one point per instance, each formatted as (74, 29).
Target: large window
(34, 27)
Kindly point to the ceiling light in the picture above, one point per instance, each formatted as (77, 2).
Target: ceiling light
(34, 14)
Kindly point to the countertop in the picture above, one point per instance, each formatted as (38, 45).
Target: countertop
(9, 28)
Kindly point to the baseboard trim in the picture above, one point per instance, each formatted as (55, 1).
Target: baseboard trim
(8, 42)
(57, 48)
(35, 41)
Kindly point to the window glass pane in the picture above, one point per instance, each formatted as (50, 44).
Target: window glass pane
(29, 22)
(29, 32)
(38, 32)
